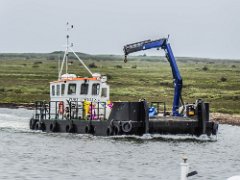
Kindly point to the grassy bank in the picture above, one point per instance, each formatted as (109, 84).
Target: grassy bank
(25, 78)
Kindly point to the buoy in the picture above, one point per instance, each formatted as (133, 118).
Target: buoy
(185, 170)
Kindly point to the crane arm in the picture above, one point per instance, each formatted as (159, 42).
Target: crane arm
(163, 44)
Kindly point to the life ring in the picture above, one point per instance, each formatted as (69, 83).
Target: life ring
(61, 107)
(127, 126)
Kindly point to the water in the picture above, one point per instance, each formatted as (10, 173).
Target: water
(26, 154)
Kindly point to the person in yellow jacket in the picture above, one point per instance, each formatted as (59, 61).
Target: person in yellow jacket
(86, 108)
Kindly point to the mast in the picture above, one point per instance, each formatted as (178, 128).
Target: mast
(66, 54)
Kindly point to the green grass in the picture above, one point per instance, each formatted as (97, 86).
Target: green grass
(25, 78)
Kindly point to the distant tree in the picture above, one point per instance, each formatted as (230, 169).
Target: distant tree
(51, 58)
(53, 67)
(92, 65)
(118, 66)
(223, 79)
(18, 91)
(38, 62)
(109, 76)
(35, 66)
(205, 68)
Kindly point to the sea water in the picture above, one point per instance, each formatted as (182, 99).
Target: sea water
(26, 154)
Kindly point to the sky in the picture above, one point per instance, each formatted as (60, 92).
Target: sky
(197, 28)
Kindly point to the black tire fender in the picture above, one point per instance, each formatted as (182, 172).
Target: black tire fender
(32, 123)
(116, 130)
(109, 131)
(87, 129)
(53, 127)
(90, 129)
(37, 126)
(42, 126)
(127, 126)
(70, 128)
(215, 129)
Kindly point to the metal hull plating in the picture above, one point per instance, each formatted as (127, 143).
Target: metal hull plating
(127, 118)
(105, 128)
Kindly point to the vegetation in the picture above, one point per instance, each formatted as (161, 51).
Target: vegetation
(25, 78)
(92, 65)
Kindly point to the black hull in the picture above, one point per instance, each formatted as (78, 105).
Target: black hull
(108, 128)
(126, 118)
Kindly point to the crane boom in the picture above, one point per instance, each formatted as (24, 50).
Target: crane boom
(163, 44)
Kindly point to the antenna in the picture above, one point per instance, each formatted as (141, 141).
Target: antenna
(66, 53)
(69, 27)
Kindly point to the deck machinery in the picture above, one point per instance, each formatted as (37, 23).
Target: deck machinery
(76, 114)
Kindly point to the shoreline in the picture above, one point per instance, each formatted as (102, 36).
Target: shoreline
(17, 105)
(221, 118)
(231, 119)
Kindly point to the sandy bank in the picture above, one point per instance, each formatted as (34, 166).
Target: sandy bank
(226, 118)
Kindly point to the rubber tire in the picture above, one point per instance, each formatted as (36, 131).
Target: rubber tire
(42, 126)
(127, 126)
(215, 129)
(37, 126)
(109, 131)
(116, 130)
(90, 129)
(32, 123)
(70, 128)
(54, 127)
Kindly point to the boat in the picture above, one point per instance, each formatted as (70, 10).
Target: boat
(82, 105)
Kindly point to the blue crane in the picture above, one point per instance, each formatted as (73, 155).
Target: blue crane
(163, 44)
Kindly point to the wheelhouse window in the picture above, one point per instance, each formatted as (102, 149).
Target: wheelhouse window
(95, 88)
(71, 89)
(62, 89)
(104, 92)
(84, 88)
(58, 90)
(53, 90)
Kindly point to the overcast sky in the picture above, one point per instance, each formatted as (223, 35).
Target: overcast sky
(197, 28)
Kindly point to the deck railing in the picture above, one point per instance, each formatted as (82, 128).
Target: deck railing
(160, 107)
(74, 110)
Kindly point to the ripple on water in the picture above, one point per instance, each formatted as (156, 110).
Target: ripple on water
(26, 154)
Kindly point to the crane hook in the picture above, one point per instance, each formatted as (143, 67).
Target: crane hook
(125, 59)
